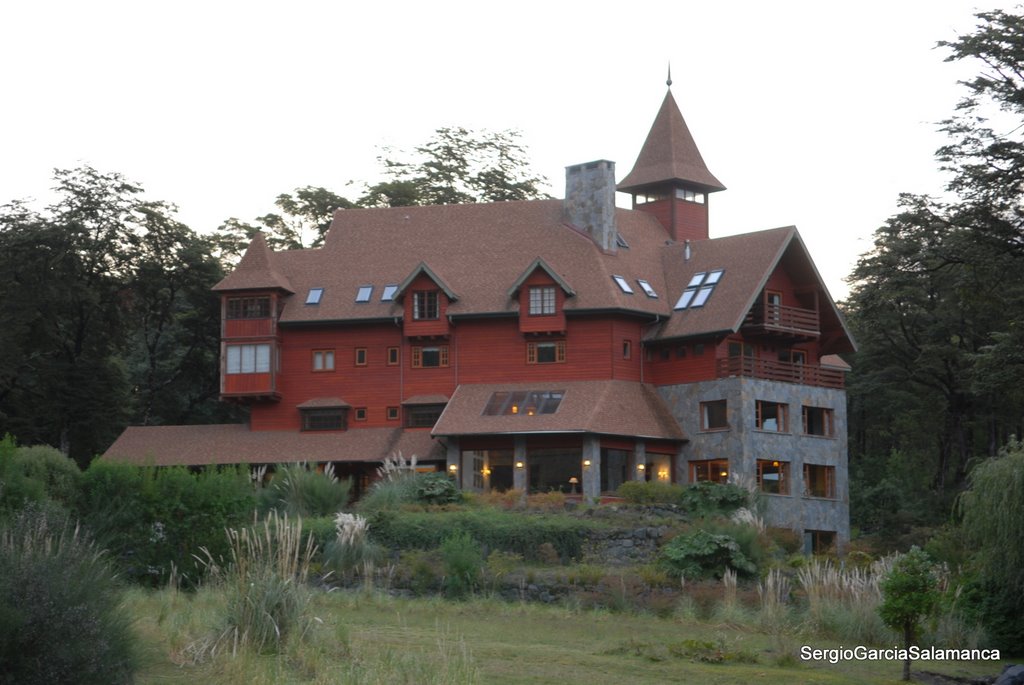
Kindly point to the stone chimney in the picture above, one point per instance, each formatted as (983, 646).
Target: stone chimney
(590, 201)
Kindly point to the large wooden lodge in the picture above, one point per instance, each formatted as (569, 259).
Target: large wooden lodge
(543, 345)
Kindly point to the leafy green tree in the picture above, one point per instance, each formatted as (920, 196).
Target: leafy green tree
(909, 593)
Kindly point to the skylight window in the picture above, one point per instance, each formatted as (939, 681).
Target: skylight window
(365, 291)
(620, 241)
(389, 293)
(523, 402)
(699, 289)
(647, 288)
(314, 295)
(624, 284)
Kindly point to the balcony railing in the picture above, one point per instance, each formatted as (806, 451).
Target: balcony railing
(785, 372)
(252, 385)
(779, 319)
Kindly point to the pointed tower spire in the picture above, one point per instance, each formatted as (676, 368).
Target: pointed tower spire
(668, 81)
(256, 270)
(670, 179)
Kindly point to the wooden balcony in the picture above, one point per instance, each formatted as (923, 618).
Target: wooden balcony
(250, 386)
(785, 372)
(776, 319)
(248, 328)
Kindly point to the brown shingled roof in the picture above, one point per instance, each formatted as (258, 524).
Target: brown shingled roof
(602, 407)
(236, 444)
(258, 269)
(669, 154)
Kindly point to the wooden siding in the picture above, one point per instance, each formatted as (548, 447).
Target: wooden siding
(683, 220)
(545, 323)
(248, 328)
(690, 368)
(248, 383)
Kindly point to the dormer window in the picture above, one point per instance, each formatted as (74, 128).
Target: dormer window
(364, 293)
(314, 295)
(248, 307)
(542, 300)
(425, 305)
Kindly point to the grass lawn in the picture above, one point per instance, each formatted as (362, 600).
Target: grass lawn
(360, 638)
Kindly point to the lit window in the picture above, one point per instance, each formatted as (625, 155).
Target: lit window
(818, 421)
(364, 294)
(542, 300)
(360, 356)
(323, 360)
(646, 287)
(314, 295)
(389, 293)
(523, 402)
(545, 352)
(429, 357)
(424, 305)
(623, 284)
(713, 470)
(819, 481)
(699, 289)
(713, 416)
(771, 416)
(773, 476)
(248, 308)
(248, 359)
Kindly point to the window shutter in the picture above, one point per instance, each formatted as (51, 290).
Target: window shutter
(417, 357)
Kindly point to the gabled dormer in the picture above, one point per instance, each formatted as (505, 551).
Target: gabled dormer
(425, 298)
(541, 294)
(670, 179)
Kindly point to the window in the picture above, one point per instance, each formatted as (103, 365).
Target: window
(681, 352)
(690, 195)
(360, 356)
(627, 349)
(393, 356)
(771, 416)
(819, 481)
(314, 295)
(327, 419)
(392, 413)
(545, 352)
(424, 305)
(819, 541)
(665, 354)
(713, 470)
(542, 300)
(746, 349)
(623, 284)
(620, 241)
(793, 356)
(248, 359)
(698, 349)
(699, 289)
(429, 357)
(323, 360)
(523, 402)
(389, 293)
(646, 287)
(713, 416)
(818, 421)
(423, 416)
(360, 413)
(773, 476)
(248, 307)
(365, 293)
(773, 305)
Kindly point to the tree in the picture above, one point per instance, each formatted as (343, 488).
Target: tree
(456, 166)
(909, 593)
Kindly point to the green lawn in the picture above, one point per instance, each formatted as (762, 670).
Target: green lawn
(357, 638)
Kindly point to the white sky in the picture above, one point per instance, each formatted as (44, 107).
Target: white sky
(816, 114)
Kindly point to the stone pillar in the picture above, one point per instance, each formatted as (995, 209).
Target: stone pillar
(453, 457)
(680, 472)
(591, 473)
(519, 480)
(639, 457)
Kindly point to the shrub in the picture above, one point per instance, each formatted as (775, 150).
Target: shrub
(653, 492)
(711, 499)
(462, 564)
(153, 519)
(297, 490)
(35, 474)
(700, 554)
(350, 552)
(435, 488)
(60, 615)
(406, 487)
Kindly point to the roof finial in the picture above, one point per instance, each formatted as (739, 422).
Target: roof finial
(669, 81)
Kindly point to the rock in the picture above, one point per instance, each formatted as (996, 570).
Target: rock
(1011, 675)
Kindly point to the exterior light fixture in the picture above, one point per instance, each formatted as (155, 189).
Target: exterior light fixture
(641, 467)
(586, 463)
(775, 463)
(723, 474)
(453, 467)
(663, 474)
(486, 472)
(520, 464)
(515, 408)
